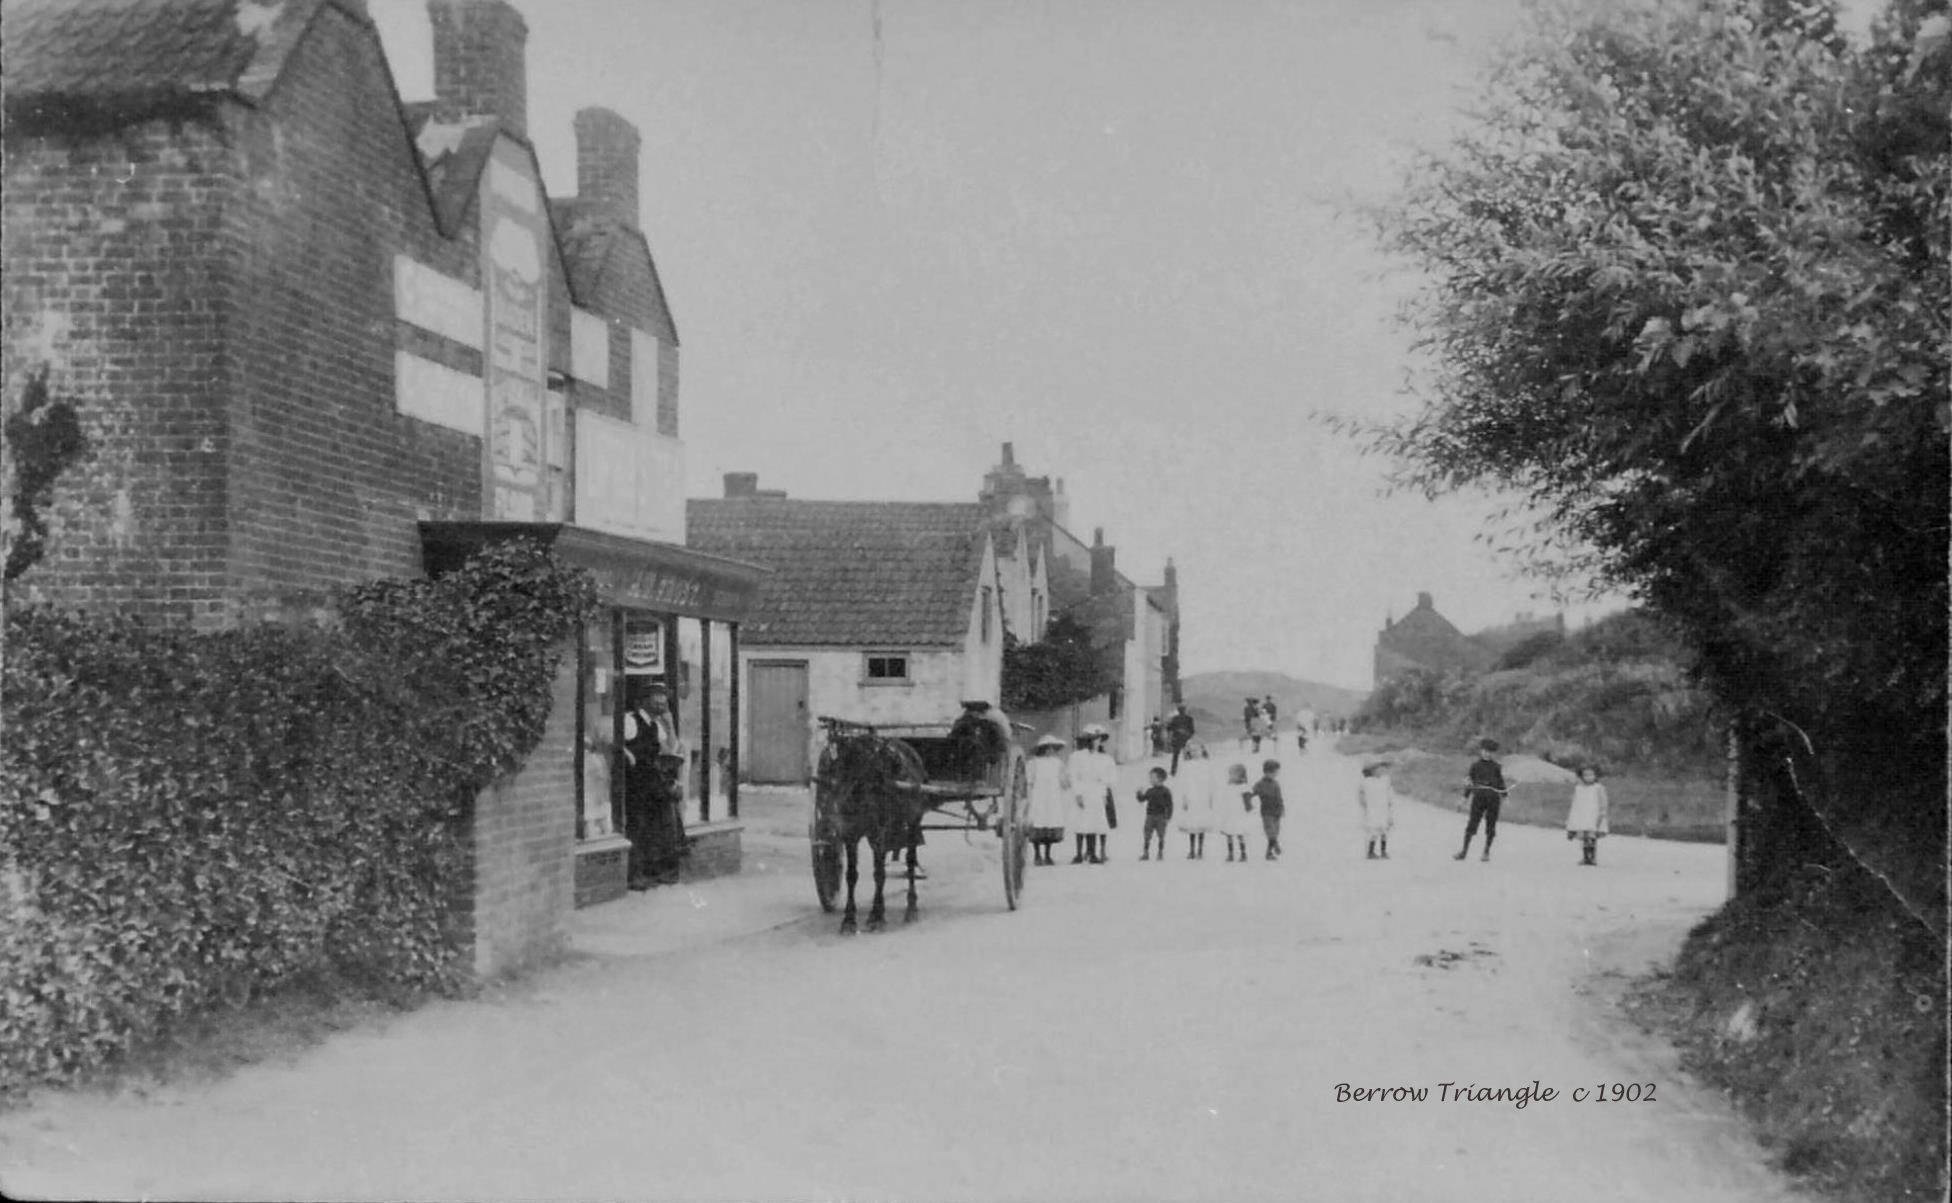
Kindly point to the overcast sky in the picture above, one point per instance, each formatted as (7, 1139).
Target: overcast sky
(1107, 232)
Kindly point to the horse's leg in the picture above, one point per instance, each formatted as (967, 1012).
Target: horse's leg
(909, 915)
(877, 914)
(853, 875)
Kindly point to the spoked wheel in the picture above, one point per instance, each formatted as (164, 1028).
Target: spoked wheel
(823, 833)
(1016, 836)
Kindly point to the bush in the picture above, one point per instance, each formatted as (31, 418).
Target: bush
(193, 817)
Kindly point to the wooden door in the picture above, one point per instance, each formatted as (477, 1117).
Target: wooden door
(780, 733)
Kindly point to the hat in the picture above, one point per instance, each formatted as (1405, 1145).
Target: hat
(1488, 745)
(1095, 731)
(1050, 741)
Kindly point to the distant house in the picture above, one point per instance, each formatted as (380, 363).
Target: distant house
(1136, 625)
(876, 611)
(1425, 639)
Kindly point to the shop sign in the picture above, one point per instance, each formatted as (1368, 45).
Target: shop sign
(514, 259)
(644, 648)
(653, 589)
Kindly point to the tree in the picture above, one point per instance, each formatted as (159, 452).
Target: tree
(1060, 670)
(1688, 297)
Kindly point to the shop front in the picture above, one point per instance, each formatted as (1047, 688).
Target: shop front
(664, 646)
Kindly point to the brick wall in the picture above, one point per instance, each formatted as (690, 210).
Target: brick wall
(522, 834)
(329, 478)
(114, 281)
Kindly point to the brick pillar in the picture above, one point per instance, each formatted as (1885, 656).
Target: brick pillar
(480, 66)
(606, 162)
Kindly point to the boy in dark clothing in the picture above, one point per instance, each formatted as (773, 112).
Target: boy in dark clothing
(1158, 802)
(1485, 790)
(1268, 791)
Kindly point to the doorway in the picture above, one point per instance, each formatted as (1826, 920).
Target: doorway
(780, 734)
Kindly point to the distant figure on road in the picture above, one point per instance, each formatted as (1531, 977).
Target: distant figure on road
(1193, 790)
(1486, 790)
(1258, 728)
(1378, 803)
(1050, 802)
(1236, 806)
(1267, 794)
(1158, 803)
(1586, 819)
(1179, 729)
(1156, 732)
(1272, 710)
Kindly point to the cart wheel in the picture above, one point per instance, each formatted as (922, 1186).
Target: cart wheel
(1016, 807)
(823, 834)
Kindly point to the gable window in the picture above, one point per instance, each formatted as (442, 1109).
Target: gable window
(887, 668)
(988, 605)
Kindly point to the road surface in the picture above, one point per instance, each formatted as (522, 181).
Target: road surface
(1138, 1031)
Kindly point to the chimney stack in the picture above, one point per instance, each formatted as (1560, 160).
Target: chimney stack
(1424, 602)
(741, 484)
(480, 68)
(1104, 565)
(606, 162)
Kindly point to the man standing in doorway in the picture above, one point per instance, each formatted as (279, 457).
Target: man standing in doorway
(654, 758)
(1179, 729)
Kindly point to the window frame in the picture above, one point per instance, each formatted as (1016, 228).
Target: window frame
(906, 660)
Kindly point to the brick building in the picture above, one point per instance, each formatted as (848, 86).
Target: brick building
(318, 335)
(1425, 639)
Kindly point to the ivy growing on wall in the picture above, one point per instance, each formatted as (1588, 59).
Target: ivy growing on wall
(1062, 669)
(190, 817)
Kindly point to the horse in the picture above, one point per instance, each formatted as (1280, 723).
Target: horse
(866, 774)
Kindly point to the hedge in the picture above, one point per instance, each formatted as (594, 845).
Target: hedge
(194, 817)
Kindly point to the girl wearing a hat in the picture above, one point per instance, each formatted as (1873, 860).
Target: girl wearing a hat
(1050, 797)
(1093, 774)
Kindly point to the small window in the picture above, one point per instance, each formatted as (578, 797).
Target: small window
(889, 667)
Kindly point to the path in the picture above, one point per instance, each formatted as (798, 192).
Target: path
(1138, 1031)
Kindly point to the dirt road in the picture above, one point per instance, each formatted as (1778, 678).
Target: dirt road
(1139, 1031)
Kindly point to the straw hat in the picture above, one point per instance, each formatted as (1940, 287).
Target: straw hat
(1050, 741)
(1095, 731)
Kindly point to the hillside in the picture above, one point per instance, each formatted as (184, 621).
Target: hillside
(1215, 698)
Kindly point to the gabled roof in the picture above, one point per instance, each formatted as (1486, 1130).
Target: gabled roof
(890, 574)
(82, 53)
(589, 232)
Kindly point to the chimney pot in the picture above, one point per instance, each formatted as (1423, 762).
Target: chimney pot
(741, 484)
(1424, 602)
(606, 162)
(1009, 455)
(480, 68)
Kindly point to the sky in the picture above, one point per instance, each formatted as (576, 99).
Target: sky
(1114, 233)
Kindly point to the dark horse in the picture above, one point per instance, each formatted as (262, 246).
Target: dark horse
(866, 774)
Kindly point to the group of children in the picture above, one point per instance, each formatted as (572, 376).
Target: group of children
(1079, 796)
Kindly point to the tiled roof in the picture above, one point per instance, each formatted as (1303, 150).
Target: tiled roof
(854, 573)
(145, 51)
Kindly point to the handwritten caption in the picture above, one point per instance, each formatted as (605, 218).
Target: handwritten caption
(1518, 1096)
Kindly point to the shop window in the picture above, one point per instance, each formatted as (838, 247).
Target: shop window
(887, 668)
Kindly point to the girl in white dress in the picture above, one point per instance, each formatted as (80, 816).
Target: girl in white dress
(1378, 808)
(1193, 792)
(1237, 810)
(1050, 797)
(1586, 819)
(1089, 785)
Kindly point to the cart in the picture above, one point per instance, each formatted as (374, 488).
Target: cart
(954, 784)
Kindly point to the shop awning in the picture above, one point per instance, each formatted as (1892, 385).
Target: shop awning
(636, 573)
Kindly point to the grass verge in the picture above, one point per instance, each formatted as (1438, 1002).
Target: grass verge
(1821, 1009)
(1639, 803)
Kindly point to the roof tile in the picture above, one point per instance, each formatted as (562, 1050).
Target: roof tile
(855, 573)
